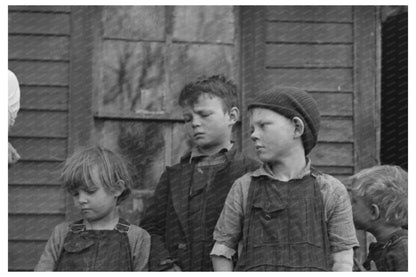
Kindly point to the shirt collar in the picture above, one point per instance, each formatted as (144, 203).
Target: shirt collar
(197, 154)
(265, 170)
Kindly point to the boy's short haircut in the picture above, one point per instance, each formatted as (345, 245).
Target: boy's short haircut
(216, 85)
(385, 186)
(113, 170)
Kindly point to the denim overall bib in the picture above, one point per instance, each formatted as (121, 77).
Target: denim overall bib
(284, 229)
(96, 250)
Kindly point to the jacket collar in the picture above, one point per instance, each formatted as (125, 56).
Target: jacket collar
(180, 185)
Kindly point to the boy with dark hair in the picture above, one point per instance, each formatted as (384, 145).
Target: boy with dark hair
(190, 195)
(285, 216)
(379, 205)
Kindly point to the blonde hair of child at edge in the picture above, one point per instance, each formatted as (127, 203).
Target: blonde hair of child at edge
(113, 171)
(385, 186)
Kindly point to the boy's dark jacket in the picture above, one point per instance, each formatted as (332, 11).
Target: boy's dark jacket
(390, 255)
(166, 218)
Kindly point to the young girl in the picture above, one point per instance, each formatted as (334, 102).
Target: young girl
(99, 181)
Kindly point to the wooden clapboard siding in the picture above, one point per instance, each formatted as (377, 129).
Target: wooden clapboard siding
(317, 79)
(39, 47)
(288, 32)
(30, 199)
(52, 124)
(33, 226)
(39, 53)
(44, 98)
(336, 130)
(308, 55)
(35, 173)
(43, 9)
(41, 149)
(41, 72)
(39, 23)
(334, 103)
(310, 13)
(333, 154)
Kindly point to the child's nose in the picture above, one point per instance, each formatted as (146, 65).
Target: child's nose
(196, 121)
(82, 197)
(254, 135)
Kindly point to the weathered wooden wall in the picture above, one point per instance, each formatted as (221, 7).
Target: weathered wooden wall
(39, 55)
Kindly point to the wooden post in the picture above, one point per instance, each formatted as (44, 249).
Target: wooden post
(253, 33)
(84, 27)
(366, 96)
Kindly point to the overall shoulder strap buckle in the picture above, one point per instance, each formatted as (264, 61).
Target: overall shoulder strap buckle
(315, 172)
(77, 226)
(122, 226)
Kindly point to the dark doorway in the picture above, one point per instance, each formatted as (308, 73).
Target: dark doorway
(394, 87)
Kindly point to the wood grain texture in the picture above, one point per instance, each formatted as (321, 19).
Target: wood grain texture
(134, 22)
(316, 55)
(54, 9)
(41, 72)
(36, 200)
(33, 227)
(40, 149)
(310, 13)
(366, 97)
(311, 79)
(44, 98)
(42, 173)
(39, 23)
(334, 104)
(291, 32)
(23, 47)
(333, 154)
(51, 124)
(336, 130)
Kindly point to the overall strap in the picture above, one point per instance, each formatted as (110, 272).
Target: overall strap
(315, 172)
(77, 226)
(122, 226)
(246, 224)
(319, 196)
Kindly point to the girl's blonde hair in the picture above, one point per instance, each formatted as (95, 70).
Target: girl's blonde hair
(113, 171)
(385, 186)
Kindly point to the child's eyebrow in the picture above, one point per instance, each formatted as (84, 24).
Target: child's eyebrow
(261, 121)
(199, 110)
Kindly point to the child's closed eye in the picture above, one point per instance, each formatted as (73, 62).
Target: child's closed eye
(205, 114)
(187, 118)
(90, 190)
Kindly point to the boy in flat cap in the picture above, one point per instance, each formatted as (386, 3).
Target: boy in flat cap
(285, 216)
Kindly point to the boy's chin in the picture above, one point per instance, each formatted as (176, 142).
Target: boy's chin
(264, 158)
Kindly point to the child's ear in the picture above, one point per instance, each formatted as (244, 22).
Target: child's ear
(120, 188)
(299, 127)
(234, 114)
(375, 212)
